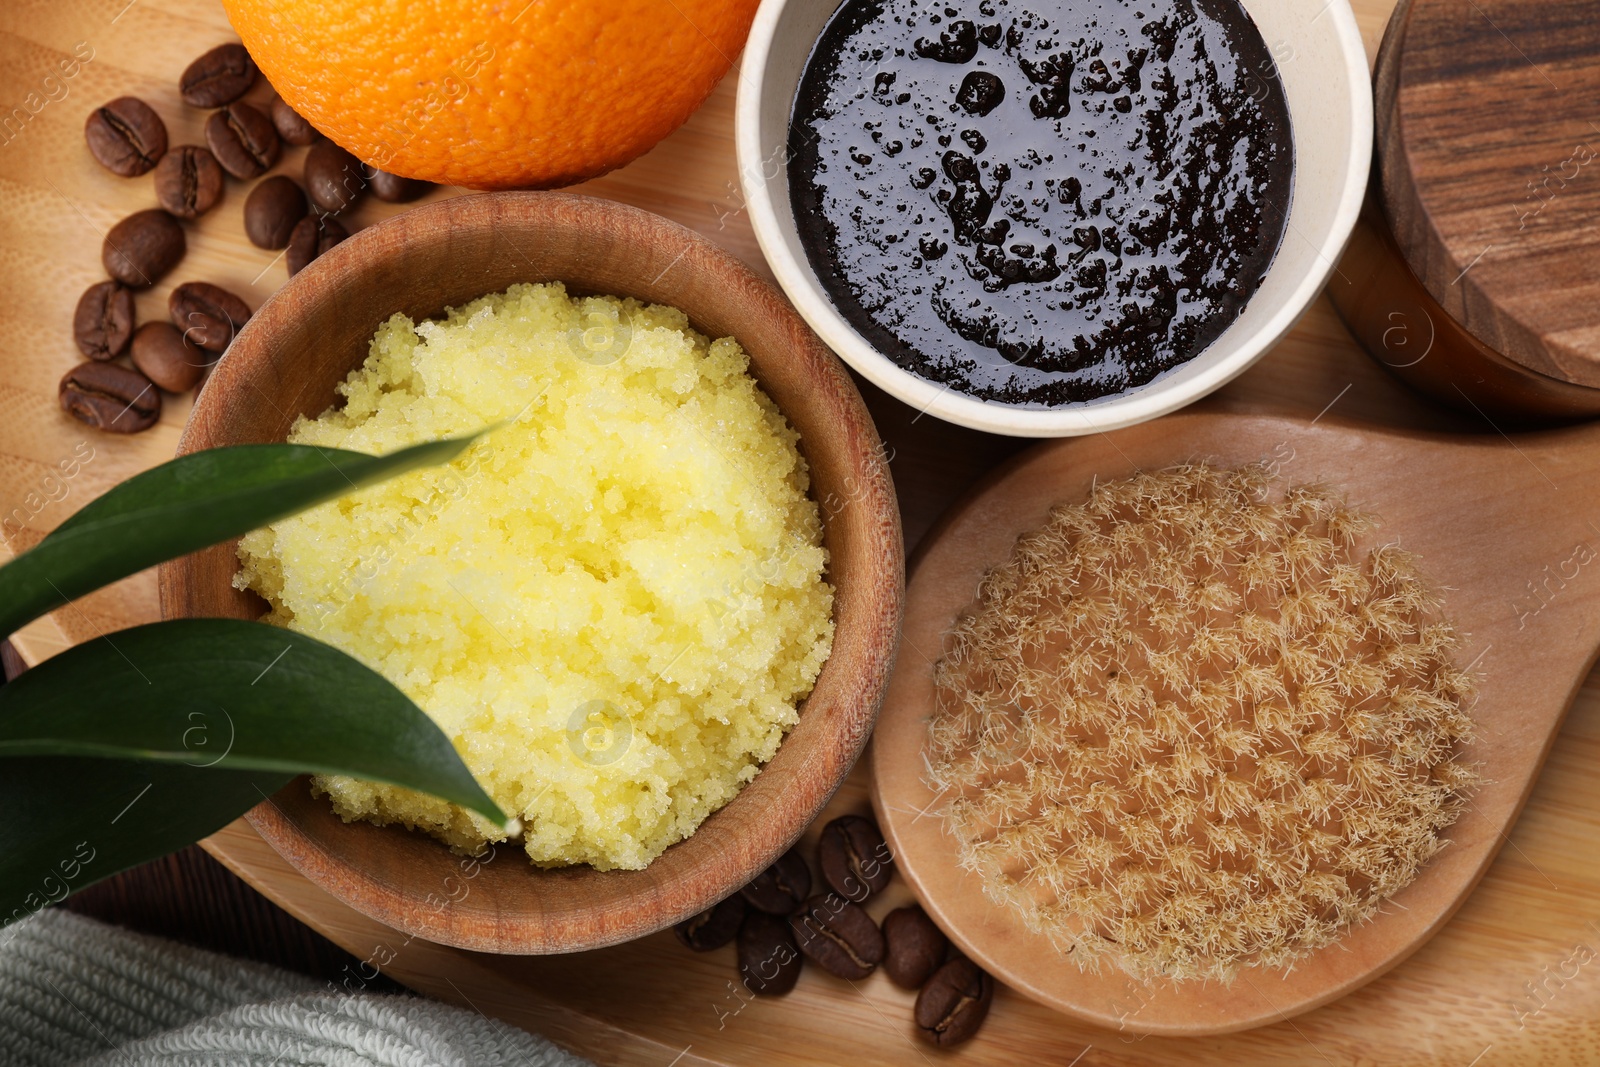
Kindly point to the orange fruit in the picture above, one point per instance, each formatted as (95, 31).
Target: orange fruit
(494, 94)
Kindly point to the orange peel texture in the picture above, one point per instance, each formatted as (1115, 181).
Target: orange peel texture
(516, 94)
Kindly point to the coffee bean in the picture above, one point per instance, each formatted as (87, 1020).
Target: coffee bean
(953, 1004)
(219, 77)
(334, 178)
(913, 948)
(141, 248)
(188, 181)
(854, 858)
(714, 927)
(839, 936)
(166, 357)
(292, 126)
(272, 210)
(126, 136)
(243, 140)
(311, 238)
(781, 888)
(103, 321)
(111, 397)
(393, 189)
(769, 962)
(207, 314)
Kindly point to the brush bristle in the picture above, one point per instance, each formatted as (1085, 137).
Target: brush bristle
(1195, 724)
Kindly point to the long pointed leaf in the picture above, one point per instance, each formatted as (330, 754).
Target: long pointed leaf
(186, 504)
(70, 822)
(232, 695)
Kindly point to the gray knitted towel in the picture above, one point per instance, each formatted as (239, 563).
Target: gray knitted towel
(75, 991)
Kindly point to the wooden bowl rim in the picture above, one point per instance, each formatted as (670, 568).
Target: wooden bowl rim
(861, 658)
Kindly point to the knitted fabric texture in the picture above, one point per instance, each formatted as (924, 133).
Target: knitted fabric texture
(75, 991)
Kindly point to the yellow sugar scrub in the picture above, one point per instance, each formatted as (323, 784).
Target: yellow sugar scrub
(612, 603)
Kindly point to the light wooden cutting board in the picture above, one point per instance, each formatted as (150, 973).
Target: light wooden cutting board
(1514, 978)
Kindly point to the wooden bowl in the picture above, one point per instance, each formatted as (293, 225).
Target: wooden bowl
(304, 341)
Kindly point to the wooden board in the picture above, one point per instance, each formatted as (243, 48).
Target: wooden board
(1527, 938)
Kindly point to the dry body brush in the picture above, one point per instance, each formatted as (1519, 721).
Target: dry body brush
(1198, 722)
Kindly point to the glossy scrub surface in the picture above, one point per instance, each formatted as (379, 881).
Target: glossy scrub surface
(1037, 202)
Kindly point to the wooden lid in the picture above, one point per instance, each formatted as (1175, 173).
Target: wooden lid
(1489, 149)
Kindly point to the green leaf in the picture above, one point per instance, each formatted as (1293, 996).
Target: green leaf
(70, 821)
(236, 696)
(187, 504)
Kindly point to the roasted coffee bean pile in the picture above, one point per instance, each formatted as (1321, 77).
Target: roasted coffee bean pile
(779, 924)
(243, 141)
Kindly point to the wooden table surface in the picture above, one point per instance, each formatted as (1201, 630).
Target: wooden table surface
(1513, 979)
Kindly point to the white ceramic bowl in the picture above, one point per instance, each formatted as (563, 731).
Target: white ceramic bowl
(1323, 67)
